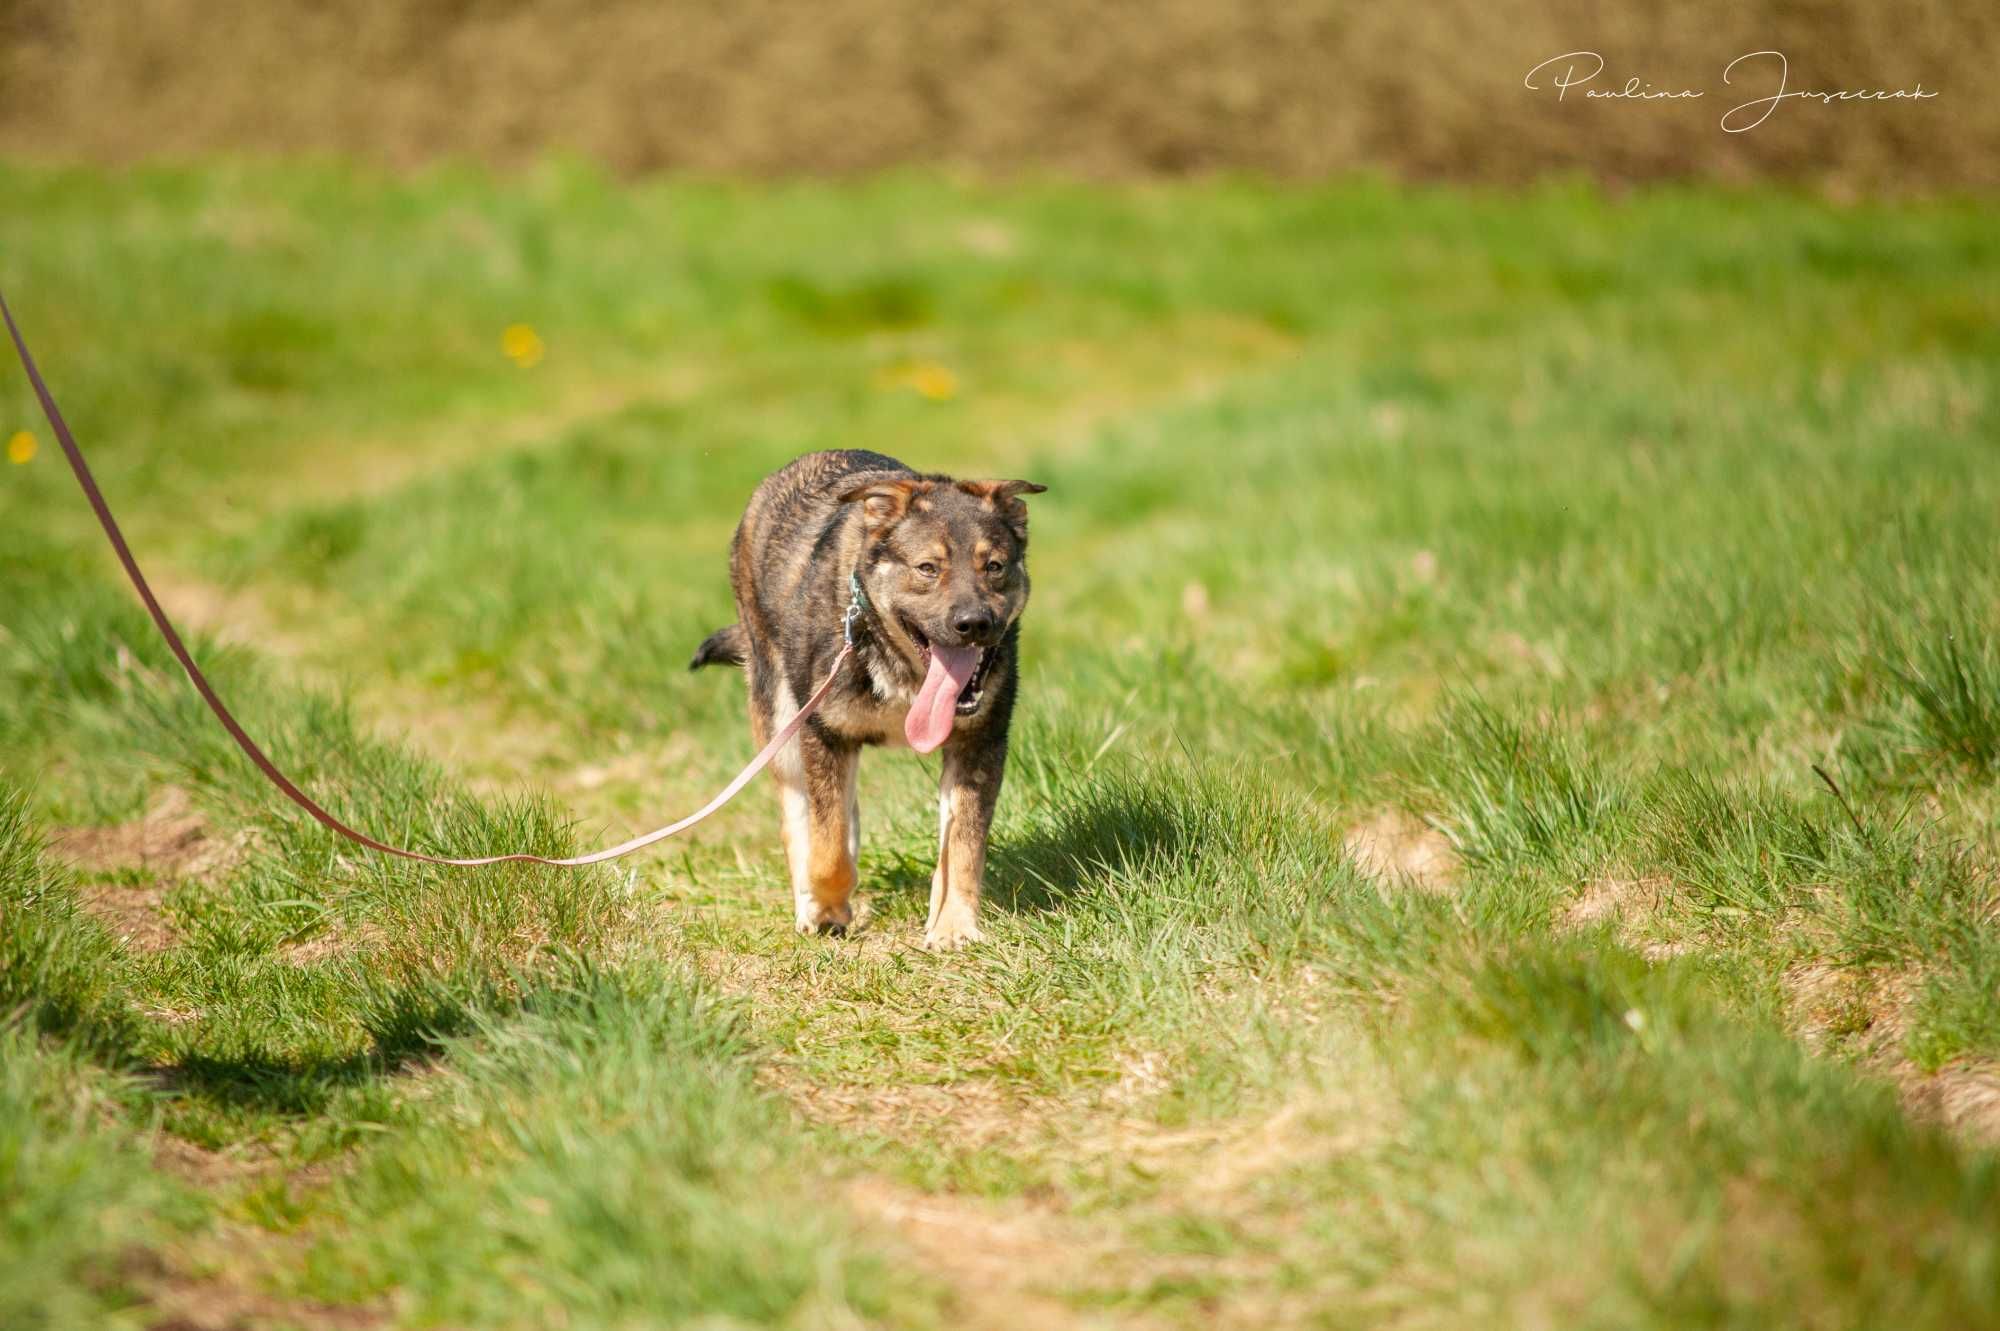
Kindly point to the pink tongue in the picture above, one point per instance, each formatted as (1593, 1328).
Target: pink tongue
(929, 722)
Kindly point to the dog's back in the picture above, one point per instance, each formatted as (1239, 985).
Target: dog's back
(792, 519)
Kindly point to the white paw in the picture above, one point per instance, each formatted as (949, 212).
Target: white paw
(813, 918)
(952, 933)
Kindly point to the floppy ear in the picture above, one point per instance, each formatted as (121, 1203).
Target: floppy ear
(1006, 497)
(882, 502)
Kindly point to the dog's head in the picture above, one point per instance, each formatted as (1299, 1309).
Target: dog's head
(945, 564)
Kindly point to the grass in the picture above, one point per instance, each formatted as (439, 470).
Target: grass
(1569, 538)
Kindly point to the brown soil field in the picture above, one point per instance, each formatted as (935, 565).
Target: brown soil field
(1284, 88)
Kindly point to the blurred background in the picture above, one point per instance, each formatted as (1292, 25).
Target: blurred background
(1290, 88)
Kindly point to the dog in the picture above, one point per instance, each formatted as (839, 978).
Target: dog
(932, 574)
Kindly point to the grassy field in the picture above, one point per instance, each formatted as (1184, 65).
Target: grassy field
(1415, 903)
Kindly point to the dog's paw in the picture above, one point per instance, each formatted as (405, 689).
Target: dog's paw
(832, 921)
(951, 933)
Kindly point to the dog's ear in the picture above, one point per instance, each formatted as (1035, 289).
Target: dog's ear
(1005, 496)
(1000, 492)
(883, 503)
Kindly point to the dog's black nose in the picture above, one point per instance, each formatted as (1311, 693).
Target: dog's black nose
(972, 624)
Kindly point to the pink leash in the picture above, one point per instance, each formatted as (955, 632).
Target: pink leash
(270, 769)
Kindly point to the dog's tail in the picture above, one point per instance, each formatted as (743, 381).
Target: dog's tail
(725, 646)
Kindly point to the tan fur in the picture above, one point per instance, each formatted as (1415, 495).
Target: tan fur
(964, 813)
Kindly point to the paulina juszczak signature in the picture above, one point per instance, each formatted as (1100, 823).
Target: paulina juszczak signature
(1576, 69)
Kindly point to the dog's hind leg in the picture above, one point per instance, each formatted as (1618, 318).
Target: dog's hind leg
(818, 794)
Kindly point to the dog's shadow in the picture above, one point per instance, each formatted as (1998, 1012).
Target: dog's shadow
(1062, 853)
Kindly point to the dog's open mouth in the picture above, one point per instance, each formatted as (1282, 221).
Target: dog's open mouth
(954, 686)
(974, 691)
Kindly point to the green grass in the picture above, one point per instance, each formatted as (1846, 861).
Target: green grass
(1577, 536)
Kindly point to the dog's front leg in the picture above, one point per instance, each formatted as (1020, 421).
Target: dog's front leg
(816, 788)
(967, 792)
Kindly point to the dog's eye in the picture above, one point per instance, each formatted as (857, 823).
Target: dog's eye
(928, 569)
(994, 567)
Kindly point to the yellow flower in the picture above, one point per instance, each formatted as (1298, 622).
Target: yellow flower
(522, 345)
(21, 448)
(937, 382)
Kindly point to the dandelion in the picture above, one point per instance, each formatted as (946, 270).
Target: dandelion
(938, 383)
(522, 345)
(934, 382)
(21, 448)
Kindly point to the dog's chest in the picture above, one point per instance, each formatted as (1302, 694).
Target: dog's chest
(873, 716)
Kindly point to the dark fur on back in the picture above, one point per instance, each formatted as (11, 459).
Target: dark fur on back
(790, 560)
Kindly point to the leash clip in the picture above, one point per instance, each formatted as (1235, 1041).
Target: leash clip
(857, 605)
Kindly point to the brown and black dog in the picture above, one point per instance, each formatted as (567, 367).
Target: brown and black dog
(941, 567)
